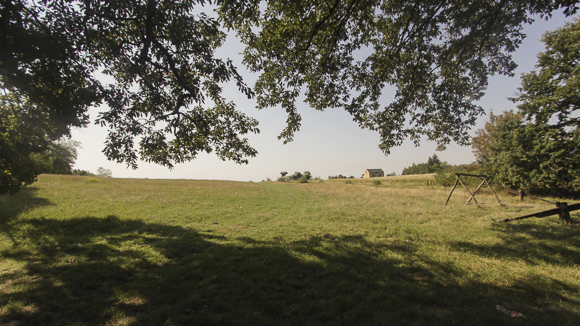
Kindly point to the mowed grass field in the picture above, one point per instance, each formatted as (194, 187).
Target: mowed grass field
(90, 251)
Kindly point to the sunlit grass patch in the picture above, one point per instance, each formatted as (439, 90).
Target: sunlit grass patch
(183, 252)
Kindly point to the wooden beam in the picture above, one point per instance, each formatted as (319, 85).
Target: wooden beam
(464, 186)
(455, 185)
(517, 193)
(554, 211)
(549, 212)
(537, 198)
(490, 188)
(475, 192)
(564, 212)
(473, 175)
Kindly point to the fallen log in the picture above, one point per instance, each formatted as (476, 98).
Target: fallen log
(562, 210)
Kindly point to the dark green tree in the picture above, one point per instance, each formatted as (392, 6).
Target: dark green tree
(342, 54)
(29, 145)
(434, 162)
(503, 150)
(549, 100)
(525, 155)
(24, 132)
(82, 172)
(551, 94)
(59, 158)
(421, 168)
(432, 165)
(161, 57)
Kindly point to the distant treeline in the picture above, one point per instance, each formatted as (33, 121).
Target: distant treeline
(445, 172)
(340, 176)
(297, 176)
(432, 165)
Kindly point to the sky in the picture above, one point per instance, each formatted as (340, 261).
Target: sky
(329, 143)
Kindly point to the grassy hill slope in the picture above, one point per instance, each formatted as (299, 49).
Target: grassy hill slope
(90, 251)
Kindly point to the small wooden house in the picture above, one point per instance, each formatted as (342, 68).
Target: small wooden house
(374, 173)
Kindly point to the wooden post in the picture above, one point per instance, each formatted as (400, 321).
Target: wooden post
(455, 185)
(493, 192)
(484, 178)
(521, 195)
(564, 213)
(475, 192)
(469, 191)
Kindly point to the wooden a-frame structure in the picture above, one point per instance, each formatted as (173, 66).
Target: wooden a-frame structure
(562, 209)
(484, 178)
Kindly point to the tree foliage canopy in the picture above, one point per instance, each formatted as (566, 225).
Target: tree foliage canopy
(342, 54)
(160, 56)
(551, 94)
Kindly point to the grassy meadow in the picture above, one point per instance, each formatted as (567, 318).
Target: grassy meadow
(92, 251)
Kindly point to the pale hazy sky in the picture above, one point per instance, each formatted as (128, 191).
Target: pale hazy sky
(329, 142)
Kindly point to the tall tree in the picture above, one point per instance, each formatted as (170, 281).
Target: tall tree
(503, 150)
(342, 54)
(550, 100)
(525, 155)
(59, 158)
(551, 93)
(539, 147)
(24, 131)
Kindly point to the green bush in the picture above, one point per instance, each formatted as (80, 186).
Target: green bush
(445, 178)
(81, 172)
(340, 176)
(377, 182)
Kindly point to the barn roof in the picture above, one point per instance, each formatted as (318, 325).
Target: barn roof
(375, 170)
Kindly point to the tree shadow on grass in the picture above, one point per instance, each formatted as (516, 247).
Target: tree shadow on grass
(97, 271)
(13, 205)
(536, 244)
(532, 243)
